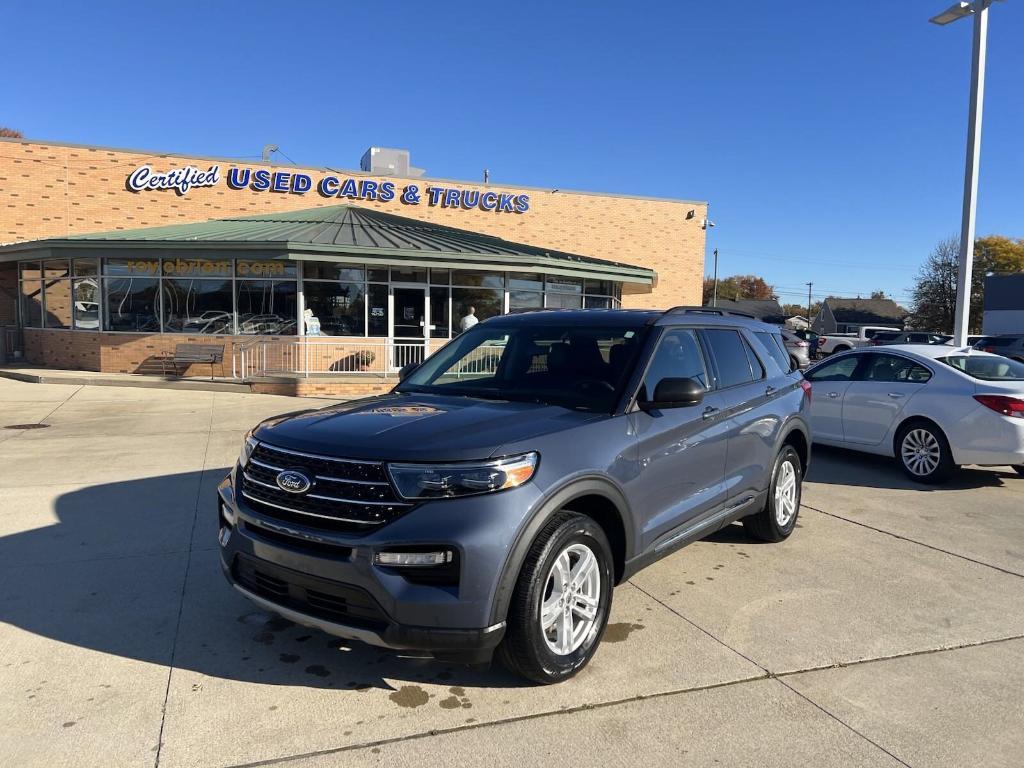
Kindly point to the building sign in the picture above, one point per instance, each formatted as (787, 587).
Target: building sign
(181, 180)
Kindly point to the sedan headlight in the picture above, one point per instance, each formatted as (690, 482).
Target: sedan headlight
(249, 444)
(443, 481)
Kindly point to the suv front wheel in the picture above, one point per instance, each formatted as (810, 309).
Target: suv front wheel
(778, 518)
(561, 602)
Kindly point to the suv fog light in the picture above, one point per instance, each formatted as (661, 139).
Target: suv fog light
(226, 515)
(224, 536)
(414, 558)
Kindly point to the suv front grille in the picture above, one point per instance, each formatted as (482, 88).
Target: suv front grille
(338, 603)
(346, 496)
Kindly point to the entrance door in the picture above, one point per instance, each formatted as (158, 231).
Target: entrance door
(409, 328)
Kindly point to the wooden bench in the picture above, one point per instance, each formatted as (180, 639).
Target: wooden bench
(189, 354)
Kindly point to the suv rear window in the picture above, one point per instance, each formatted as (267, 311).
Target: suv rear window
(731, 357)
(997, 341)
(884, 336)
(776, 349)
(986, 368)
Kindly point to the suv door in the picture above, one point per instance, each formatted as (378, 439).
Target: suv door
(741, 378)
(880, 391)
(681, 450)
(829, 382)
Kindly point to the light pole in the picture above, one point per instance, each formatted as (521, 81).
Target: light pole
(714, 295)
(978, 9)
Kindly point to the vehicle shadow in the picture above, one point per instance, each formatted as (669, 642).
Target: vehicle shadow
(110, 575)
(838, 466)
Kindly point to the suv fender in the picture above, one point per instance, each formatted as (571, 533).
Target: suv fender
(574, 489)
(794, 424)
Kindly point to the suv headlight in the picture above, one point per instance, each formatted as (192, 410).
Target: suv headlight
(249, 444)
(443, 481)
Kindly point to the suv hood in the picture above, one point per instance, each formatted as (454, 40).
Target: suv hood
(417, 427)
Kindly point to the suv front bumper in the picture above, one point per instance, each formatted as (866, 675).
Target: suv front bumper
(343, 592)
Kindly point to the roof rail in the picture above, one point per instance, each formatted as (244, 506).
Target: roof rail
(686, 310)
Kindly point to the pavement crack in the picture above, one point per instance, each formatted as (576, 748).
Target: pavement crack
(184, 587)
(916, 541)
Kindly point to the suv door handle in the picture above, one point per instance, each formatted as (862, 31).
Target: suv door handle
(769, 390)
(896, 395)
(833, 395)
(709, 412)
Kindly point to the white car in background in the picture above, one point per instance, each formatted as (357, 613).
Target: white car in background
(930, 406)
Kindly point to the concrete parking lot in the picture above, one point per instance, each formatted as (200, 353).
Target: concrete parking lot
(889, 630)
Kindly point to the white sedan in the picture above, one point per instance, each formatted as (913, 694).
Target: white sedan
(931, 407)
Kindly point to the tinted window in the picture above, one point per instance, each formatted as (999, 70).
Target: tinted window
(731, 357)
(776, 349)
(678, 356)
(836, 370)
(895, 369)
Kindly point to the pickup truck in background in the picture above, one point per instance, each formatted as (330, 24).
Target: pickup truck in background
(842, 342)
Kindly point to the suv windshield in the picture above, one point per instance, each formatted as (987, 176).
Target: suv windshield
(986, 368)
(583, 368)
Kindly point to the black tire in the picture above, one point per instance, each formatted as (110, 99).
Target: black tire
(765, 524)
(922, 428)
(524, 649)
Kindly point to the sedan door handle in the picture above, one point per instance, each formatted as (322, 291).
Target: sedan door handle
(709, 412)
(896, 395)
(833, 395)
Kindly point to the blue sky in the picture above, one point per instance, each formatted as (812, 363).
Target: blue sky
(828, 137)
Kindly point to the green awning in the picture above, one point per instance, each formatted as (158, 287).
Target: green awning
(340, 233)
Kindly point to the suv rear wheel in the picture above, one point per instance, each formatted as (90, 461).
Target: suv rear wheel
(778, 518)
(560, 605)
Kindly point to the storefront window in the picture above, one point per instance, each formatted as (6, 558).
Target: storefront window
(597, 302)
(183, 266)
(197, 306)
(267, 307)
(470, 277)
(329, 270)
(86, 310)
(377, 275)
(86, 267)
(410, 275)
(487, 302)
(377, 310)
(564, 301)
(32, 302)
(266, 268)
(340, 307)
(30, 270)
(439, 312)
(525, 300)
(56, 268)
(57, 302)
(559, 284)
(131, 267)
(440, 276)
(131, 304)
(526, 281)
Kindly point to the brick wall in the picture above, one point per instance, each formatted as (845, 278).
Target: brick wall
(53, 190)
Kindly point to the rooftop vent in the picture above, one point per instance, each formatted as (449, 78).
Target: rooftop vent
(389, 162)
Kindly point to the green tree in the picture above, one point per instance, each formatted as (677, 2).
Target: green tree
(934, 294)
(10, 133)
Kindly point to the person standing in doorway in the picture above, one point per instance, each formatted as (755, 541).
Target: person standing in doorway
(469, 320)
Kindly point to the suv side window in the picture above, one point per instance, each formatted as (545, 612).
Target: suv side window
(678, 356)
(775, 347)
(732, 357)
(891, 368)
(837, 370)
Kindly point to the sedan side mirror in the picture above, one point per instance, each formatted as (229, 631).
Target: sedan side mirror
(405, 370)
(674, 392)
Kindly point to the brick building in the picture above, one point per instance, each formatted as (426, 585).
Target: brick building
(109, 258)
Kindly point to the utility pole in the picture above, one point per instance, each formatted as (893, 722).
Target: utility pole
(714, 296)
(809, 286)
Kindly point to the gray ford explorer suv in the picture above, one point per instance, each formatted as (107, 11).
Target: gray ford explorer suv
(496, 496)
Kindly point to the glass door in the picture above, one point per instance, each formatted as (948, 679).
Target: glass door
(409, 325)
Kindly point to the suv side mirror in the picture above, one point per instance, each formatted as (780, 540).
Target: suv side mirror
(405, 370)
(675, 392)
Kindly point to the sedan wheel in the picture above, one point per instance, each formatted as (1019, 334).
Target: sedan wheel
(924, 453)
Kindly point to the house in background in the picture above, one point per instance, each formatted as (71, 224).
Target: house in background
(850, 315)
(797, 323)
(765, 310)
(1004, 304)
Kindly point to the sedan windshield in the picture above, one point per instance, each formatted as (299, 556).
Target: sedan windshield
(986, 367)
(583, 368)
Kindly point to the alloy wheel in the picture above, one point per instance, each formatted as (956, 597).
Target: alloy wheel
(785, 494)
(572, 593)
(921, 452)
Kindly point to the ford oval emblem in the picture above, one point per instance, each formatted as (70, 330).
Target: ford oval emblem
(293, 482)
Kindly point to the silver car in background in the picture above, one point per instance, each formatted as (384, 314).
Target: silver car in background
(798, 349)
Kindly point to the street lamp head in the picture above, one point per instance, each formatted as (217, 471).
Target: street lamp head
(954, 12)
